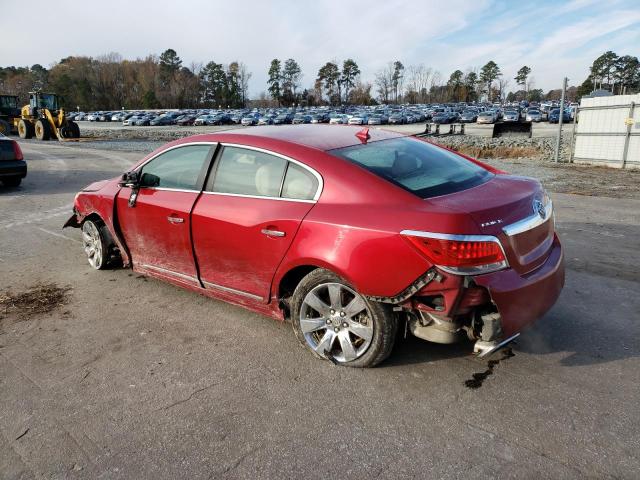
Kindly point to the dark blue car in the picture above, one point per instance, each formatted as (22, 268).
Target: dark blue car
(554, 116)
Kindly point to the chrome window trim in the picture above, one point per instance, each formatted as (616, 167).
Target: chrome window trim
(168, 150)
(529, 222)
(232, 290)
(288, 159)
(488, 268)
(259, 197)
(165, 189)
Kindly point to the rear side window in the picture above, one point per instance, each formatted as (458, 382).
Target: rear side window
(249, 172)
(421, 168)
(178, 168)
(299, 183)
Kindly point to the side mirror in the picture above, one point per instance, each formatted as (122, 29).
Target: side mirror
(130, 179)
(149, 180)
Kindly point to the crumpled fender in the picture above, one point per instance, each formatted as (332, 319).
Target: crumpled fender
(99, 198)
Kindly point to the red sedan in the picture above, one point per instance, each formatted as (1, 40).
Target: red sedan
(348, 232)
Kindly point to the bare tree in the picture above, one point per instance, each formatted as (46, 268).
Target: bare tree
(503, 84)
(244, 75)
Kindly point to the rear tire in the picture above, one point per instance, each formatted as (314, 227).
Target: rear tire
(12, 181)
(25, 129)
(333, 321)
(42, 129)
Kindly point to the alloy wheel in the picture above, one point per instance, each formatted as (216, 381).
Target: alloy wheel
(92, 244)
(335, 320)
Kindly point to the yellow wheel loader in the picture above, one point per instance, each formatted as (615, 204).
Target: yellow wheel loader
(44, 118)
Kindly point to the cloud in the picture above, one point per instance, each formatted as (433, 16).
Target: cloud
(554, 38)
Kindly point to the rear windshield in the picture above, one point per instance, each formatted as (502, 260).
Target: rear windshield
(419, 167)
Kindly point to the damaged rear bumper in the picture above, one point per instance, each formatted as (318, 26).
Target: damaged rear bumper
(523, 299)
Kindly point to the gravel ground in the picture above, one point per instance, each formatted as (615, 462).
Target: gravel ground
(117, 376)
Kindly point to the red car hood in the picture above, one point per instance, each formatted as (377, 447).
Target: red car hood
(95, 186)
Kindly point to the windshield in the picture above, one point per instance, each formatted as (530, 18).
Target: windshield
(48, 101)
(419, 167)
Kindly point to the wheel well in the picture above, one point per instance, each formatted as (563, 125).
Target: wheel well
(94, 217)
(289, 282)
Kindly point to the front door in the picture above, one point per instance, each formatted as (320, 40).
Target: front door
(247, 217)
(156, 227)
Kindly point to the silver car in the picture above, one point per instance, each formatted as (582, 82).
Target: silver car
(511, 116)
(534, 116)
(487, 117)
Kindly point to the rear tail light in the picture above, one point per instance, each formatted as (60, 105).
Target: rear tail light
(459, 254)
(17, 151)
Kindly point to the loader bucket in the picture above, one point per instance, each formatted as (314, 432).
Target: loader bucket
(512, 129)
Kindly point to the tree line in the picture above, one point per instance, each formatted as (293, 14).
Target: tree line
(110, 82)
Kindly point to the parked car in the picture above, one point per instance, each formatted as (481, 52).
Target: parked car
(283, 119)
(554, 116)
(469, 251)
(397, 119)
(338, 119)
(301, 118)
(249, 120)
(162, 120)
(265, 120)
(469, 116)
(533, 116)
(359, 119)
(13, 167)
(511, 116)
(186, 120)
(488, 116)
(445, 117)
(144, 121)
(378, 119)
(131, 120)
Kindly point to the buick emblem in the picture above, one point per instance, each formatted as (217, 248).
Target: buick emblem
(538, 208)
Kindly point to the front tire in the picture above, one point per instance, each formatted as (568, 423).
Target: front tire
(74, 129)
(332, 320)
(97, 244)
(43, 131)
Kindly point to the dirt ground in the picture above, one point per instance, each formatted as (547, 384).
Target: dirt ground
(575, 179)
(111, 375)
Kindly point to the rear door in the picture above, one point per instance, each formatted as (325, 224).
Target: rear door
(156, 227)
(247, 217)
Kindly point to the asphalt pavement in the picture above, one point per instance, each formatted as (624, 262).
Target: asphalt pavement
(133, 378)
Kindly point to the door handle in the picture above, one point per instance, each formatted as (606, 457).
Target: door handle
(175, 220)
(272, 233)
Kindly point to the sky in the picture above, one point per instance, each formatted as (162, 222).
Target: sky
(555, 38)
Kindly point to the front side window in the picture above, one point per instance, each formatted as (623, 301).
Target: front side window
(423, 169)
(178, 168)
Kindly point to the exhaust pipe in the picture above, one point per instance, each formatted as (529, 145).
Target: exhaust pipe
(484, 349)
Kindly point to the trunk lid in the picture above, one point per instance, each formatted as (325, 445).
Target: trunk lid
(504, 207)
